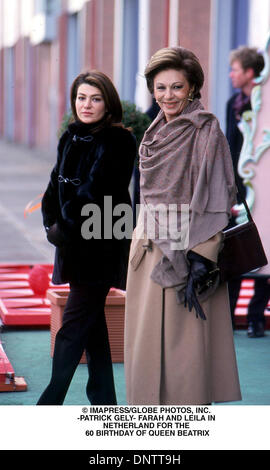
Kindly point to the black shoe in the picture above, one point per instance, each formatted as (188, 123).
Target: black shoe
(255, 330)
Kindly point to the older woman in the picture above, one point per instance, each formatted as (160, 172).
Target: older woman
(95, 161)
(178, 336)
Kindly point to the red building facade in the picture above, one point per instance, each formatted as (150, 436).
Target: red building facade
(46, 43)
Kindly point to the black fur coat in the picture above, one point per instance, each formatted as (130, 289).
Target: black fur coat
(89, 166)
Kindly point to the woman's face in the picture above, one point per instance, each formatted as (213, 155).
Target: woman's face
(89, 104)
(171, 90)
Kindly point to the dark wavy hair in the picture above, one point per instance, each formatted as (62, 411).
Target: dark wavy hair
(114, 112)
(177, 58)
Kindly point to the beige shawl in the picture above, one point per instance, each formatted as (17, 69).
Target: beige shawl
(186, 161)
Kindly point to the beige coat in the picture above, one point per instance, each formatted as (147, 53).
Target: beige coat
(172, 357)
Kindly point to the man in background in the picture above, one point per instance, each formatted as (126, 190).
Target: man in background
(246, 64)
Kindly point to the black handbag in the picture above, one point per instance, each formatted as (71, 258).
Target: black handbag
(242, 249)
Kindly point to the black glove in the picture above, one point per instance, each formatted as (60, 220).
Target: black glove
(55, 235)
(200, 268)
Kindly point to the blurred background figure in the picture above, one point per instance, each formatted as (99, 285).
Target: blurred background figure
(246, 64)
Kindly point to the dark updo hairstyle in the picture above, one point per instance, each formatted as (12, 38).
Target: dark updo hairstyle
(114, 112)
(177, 58)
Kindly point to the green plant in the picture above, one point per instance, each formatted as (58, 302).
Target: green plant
(135, 119)
(67, 118)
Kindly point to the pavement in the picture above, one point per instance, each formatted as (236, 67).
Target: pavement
(24, 175)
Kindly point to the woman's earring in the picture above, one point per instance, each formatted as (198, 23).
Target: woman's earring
(190, 96)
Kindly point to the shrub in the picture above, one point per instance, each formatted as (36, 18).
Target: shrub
(135, 119)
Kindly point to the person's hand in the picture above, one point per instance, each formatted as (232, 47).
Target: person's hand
(199, 270)
(55, 235)
(191, 299)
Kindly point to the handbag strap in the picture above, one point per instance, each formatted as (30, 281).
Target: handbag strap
(243, 200)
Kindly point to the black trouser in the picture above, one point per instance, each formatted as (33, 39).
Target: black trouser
(259, 301)
(84, 328)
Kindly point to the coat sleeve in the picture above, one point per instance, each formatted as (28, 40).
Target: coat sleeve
(50, 204)
(210, 248)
